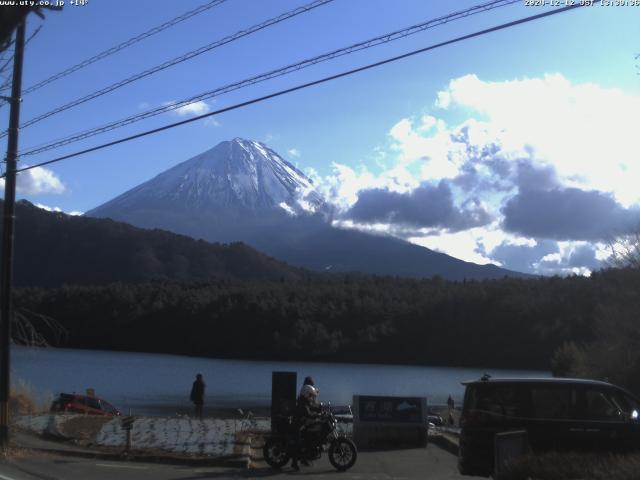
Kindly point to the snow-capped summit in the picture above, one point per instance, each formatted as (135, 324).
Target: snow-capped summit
(241, 190)
(240, 174)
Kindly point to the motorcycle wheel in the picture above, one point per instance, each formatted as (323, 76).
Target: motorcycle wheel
(343, 454)
(275, 452)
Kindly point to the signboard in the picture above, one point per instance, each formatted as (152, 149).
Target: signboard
(127, 423)
(283, 399)
(386, 421)
(390, 409)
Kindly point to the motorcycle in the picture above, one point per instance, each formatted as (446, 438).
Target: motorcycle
(318, 435)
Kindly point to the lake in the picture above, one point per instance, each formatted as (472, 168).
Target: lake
(155, 384)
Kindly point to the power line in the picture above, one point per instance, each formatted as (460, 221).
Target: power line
(307, 85)
(35, 32)
(7, 84)
(386, 38)
(123, 45)
(177, 60)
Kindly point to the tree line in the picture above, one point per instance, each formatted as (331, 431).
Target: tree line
(509, 323)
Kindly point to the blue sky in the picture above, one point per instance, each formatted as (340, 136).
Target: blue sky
(553, 104)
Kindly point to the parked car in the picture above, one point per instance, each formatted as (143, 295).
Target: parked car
(435, 419)
(557, 414)
(342, 413)
(74, 403)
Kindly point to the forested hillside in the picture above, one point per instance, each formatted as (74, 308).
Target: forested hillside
(510, 323)
(52, 249)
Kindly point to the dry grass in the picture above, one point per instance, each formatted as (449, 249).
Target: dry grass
(569, 466)
(83, 429)
(21, 403)
(14, 453)
(23, 399)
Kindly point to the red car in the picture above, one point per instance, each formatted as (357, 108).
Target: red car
(74, 403)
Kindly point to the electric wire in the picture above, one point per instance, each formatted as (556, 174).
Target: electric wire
(10, 59)
(306, 85)
(110, 51)
(175, 61)
(386, 38)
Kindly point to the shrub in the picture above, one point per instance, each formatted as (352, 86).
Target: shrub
(567, 466)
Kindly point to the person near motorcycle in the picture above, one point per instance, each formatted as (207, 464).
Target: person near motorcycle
(313, 431)
(307, 409)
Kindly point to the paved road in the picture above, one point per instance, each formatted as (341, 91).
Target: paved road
(430, 463)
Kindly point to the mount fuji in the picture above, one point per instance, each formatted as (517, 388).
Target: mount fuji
(241, 190)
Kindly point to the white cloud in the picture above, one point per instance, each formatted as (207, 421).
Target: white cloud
(212, 122)
(294, 152)
(410, 143)
(37, 181)
(342, 186)
(587, 132)
(74, 213)
(195, 108)
(461, 245)
(534, 133)
(287, 209)
(48, 209)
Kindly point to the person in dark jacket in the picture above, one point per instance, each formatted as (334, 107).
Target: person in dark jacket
(306, 405)
(451, 404)
(307, 408)
(197, 394)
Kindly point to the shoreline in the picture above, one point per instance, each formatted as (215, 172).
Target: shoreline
(319, 361)
(159, 385)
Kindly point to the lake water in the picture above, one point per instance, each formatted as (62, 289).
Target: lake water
(154, 384)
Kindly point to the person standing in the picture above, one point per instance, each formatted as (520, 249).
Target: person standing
(306, 409)
(197, 394)
(451, 405)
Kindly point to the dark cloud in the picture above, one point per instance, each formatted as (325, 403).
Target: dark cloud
(522, 258)
(529, 259)
(584, 256)
(504, 174)
(479, 152)
(426, 206)
(500, 166)
(567, 214)
(529, 176)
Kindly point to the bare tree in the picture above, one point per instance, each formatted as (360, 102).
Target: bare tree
(35, 329)
(625, 250)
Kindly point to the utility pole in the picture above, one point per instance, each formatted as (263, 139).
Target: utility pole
(6, 262)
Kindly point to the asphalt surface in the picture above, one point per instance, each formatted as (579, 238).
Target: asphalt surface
(432, 462)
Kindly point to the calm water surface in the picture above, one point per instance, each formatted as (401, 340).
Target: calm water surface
(154, 384)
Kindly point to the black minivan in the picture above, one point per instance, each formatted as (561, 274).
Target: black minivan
(557, 414)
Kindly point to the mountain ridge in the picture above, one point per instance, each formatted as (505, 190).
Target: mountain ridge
(241, 190)
(240, 174)
(53, 249)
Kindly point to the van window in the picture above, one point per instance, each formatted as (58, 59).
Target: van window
(496, 400)
(599, 405)
(552, 402)
(624, 402)
(92, 403)
(107, 407)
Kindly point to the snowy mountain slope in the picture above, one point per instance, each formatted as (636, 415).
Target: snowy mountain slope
(241, 190)
(239, 174)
